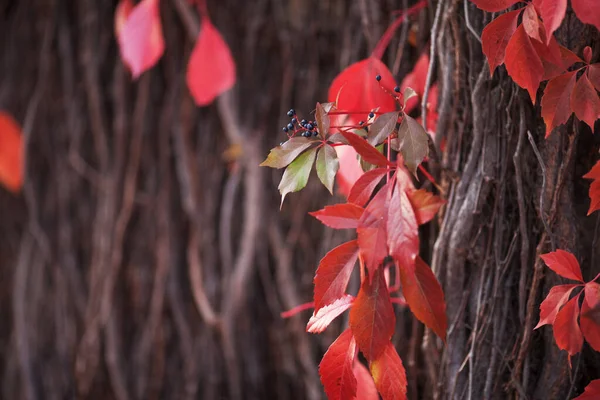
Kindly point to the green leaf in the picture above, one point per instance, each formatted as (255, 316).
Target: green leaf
(296, 174)
(281, 156)
(322, 120)
(414, 145)
(383, 126)
(327, 166)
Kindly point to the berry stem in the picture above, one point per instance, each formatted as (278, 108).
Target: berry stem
(297, 309)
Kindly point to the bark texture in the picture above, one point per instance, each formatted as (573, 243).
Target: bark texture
(147, 257)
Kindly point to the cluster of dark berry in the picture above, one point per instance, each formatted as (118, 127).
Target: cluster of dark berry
(396, 88)
(303, 127)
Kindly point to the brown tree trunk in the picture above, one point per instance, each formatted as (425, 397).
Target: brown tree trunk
(147, 257)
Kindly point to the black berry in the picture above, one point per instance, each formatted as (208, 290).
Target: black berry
(361, 122)
(294, 120)
(371, 115)
(290, 126)
(303, 122)
(315, 133)
(397, 89)
(285, 129)
(309, 127)
(378, 77)
(291, 113)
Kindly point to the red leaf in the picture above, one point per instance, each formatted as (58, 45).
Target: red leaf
(339, 216)
(140, 37)
(531, 23)
(372, 318)
(321, 319)
(556, 101)
(335, 368)
(416, 80)
(402, 229)
(389, 374)
(552, 12)
(587, 54)
(363, 188)
(333, 274)
(495, 37)
(590, 315)
(350, 169)
(523, 63)
(585, 102)
(211, 69)
(563, 263)
(588, 11)
(359, 91)
(592, 391)
(566, 329)
(594, 173)
(424, 296)
(557, 298)
(365, 386)
(121, 13)
(369, 153)
(11, 153)
(372, 235)
(594, 75)
(425, 205)
(493, 5)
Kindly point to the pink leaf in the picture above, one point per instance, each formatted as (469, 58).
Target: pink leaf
(563, 263)
(552, 12)
(140, 37)
(321, 319)
(350, 169)
(211, 69)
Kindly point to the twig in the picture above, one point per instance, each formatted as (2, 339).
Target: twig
(432, 55)
(468, 21)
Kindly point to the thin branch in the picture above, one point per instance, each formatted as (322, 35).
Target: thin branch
(432, 55)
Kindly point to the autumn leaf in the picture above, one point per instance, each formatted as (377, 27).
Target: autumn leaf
(594, 193)
(495, 37)
(333, 274)
(590, 315)
(140, 37)
(355, 88)
(564, 264)
(414, 143)
(531, 23)
(369, 153)
(327, 166)
(556, 101)
(211, 69)
(323, 121)
(493, 5)
(281, 156)
(350, 170)
(588, 11)
(585, 102)
(339, 216)
(523, 63)
(552, 13)
(389, 374)
(415, 80)
(425, 204)
(321, 319)
(121, 13)
(593, 72)
(296, 174)
(365, 386)
(592, 391)
(567, 334)
(382, 127)
(557, 298)
(372, 317)
(11, 153)
(336, 370)
(365, 185)
(371, 231)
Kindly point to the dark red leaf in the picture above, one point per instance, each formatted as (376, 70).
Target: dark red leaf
(592, 391)
(11, 153)
(321, 319)
(425, 204)
(566, 329)
(557, 298)
(339, 216)
(587, 54)
(593, 72)
(372, 235)
(333, 274)
(363, 188)
(369, 153)
(495, 37)
(356, 89)
(590, 315)
(556, 101)
(523, 63)
(402, 229)
(372, 317)
(594, 174)
(335, 368)
(494, 5)
(552, 12)
(588, 11)
(563, 263)
(424, 296)
(211, 69)
(584, 101)
(365, 387)
(140, 37)
(389, 374)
